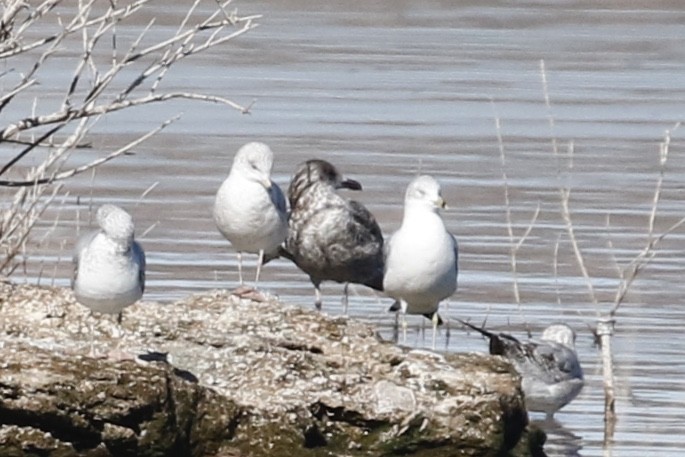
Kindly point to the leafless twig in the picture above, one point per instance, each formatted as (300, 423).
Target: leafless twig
(515, 245)
(107, 76)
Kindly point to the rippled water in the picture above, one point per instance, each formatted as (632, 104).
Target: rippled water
(387, 90)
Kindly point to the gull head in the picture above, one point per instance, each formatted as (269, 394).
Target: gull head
(560, 333)
(425, 190)
(115, 222)
(254, 162)
(313, 172)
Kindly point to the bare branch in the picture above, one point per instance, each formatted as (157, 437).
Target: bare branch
(41, 32)
(515, 246)
(78, 170)
(646, 255)
(565, 192)
(73, 114)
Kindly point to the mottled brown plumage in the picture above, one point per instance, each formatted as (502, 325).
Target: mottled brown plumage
(330, 237)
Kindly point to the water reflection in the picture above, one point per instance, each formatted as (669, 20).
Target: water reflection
(560, 440)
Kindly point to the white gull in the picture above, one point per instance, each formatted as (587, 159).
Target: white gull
(421, 257)
(250, 209)
(109, 266)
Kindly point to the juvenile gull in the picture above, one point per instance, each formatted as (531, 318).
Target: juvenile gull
(421, 257)
(250, 209)
(551, 376)
(330, 237)
(109, 266)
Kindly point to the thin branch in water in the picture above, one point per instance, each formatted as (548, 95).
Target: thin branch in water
(565, 192)
(646, 255)
(149, 229)
(95, 163)
(32, 145)
(515, 246)
(556, 269)
(146, 192)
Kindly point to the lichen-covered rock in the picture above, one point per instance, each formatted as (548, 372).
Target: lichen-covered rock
(227, 376)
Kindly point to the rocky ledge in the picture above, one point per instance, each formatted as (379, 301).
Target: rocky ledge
(217, 375)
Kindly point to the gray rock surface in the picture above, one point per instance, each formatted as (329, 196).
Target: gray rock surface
(227, 376)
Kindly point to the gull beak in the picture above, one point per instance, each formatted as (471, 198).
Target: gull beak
(350, 184)
(266, 182)
(441, 203)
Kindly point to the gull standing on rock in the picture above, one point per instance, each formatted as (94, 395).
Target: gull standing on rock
(421, 257)
(551, 376)
(250, 209)
(330, 237)
(109, 266)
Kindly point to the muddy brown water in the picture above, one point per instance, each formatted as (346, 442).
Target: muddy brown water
(388, 90)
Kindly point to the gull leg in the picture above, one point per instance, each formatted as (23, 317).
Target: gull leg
(446, 322)
(241, 289)
(403, 310)
(118, 328)
(259, 267)
(435, 327)
(345, 299)
(404, 327)
(317, 297)
(92, 353)
(396, 328)
(240, 267)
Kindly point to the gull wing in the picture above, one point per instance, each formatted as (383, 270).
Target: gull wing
(81, 244)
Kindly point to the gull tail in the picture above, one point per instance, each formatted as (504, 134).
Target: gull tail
(376, 281)
(281, 252)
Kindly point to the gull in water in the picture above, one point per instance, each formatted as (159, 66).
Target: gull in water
(330, 237)
(421, 257)
(551, 376)
(250, 209)
(109, 266)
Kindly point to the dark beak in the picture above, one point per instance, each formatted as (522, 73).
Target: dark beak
(350, 184)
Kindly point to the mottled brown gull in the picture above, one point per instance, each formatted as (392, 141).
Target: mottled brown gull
(330, 237)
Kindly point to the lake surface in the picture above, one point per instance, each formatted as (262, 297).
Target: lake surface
(388, 90)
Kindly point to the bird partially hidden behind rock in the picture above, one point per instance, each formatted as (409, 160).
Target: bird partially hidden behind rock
(109, 265)
(250, 209)
(551, 376)
(421, 262)
(331, 238)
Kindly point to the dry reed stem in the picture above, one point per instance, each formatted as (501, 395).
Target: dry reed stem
(606, 322)
(646, 255)
(515, 245)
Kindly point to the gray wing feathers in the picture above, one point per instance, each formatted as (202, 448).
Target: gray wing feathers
(81, 244)
(554, 362)
(139, 255)
(278, 198)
